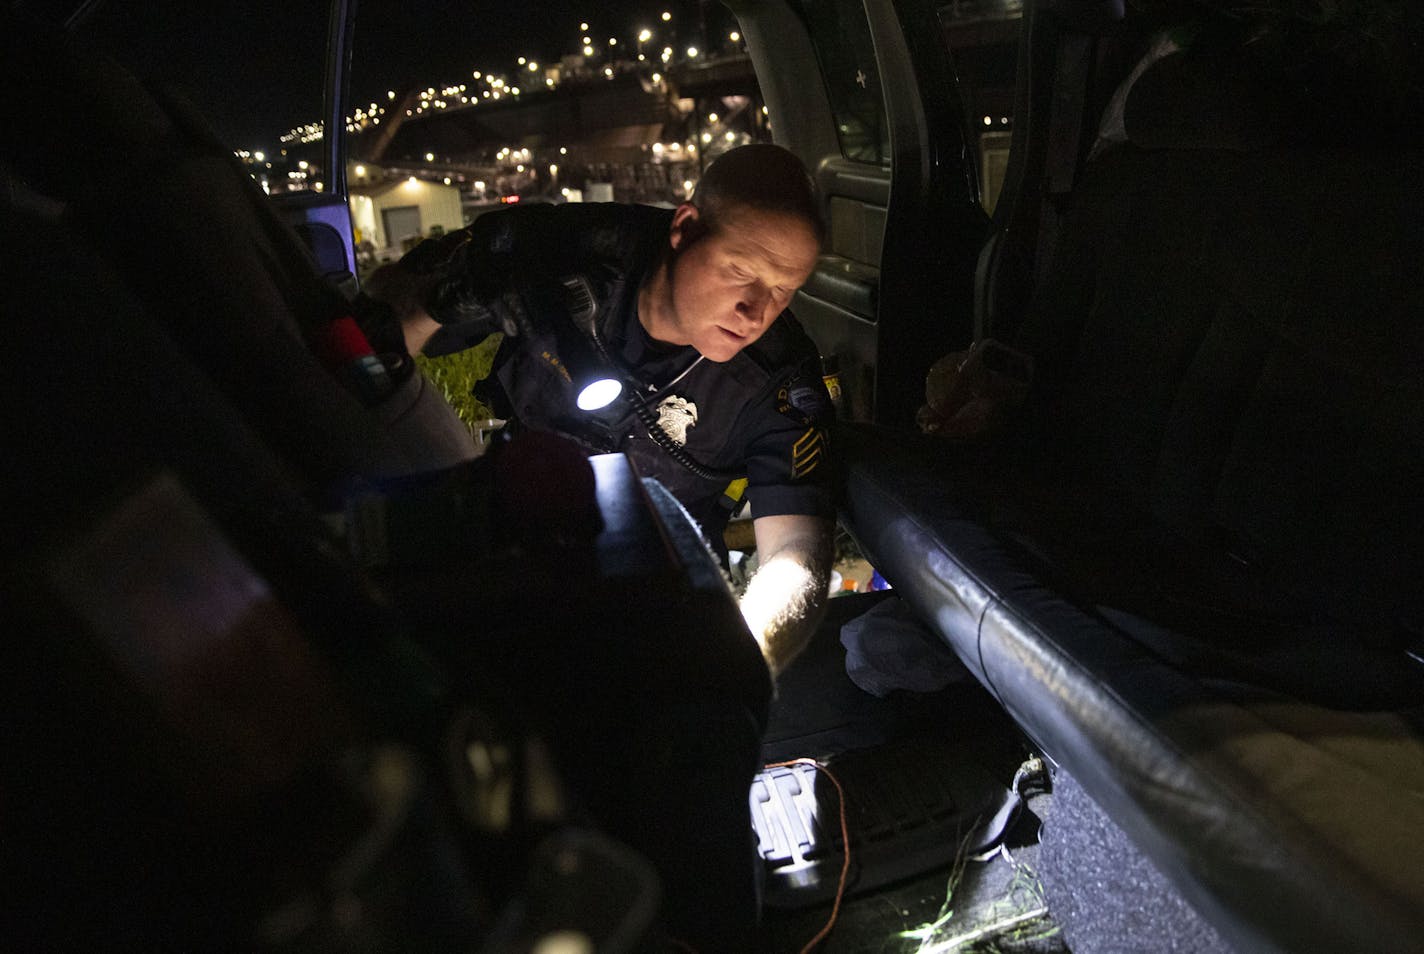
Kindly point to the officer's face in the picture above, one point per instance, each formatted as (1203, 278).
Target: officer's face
(730, 283)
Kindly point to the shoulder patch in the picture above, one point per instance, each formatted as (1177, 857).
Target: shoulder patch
(806, 400)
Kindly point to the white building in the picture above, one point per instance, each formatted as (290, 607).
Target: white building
(392, 215)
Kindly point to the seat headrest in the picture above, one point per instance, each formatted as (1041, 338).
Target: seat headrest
(1188, 100)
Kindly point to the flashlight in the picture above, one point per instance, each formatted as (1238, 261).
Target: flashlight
(597, 391)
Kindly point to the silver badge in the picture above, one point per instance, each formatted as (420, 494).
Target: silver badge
(675, 416)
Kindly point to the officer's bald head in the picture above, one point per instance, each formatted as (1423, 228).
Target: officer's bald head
(760, 176)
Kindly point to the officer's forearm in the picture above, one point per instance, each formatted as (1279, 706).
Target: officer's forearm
(784, 600)
(404, 291)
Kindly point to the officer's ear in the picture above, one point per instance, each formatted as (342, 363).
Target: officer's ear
(687, 225)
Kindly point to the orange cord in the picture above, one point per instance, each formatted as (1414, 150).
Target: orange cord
(845, 840)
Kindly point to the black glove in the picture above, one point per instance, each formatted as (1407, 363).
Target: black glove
(466, 292)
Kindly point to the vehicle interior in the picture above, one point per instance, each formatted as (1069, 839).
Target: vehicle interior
(1122, 300)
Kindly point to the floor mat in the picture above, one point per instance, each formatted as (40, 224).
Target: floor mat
(994, 905)
(927, 775)
(910, 806)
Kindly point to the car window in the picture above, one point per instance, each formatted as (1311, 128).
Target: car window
(455, 112)
(255, 77)
(983, 37)
(841, 36)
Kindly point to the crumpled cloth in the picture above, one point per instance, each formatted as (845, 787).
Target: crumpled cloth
(888, 648)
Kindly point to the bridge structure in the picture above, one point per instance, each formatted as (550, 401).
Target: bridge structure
(645, 132)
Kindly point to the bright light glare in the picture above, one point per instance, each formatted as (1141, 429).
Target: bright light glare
(599, 394)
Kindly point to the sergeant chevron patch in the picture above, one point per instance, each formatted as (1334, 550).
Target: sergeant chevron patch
(807, 452)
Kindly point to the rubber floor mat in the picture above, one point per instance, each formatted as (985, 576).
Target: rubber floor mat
(910, 807)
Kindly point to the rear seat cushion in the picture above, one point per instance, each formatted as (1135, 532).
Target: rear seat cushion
(1277, 815)
(1193, 576)
(1230, 351)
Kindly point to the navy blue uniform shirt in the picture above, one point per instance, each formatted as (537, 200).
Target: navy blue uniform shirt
(761, 416)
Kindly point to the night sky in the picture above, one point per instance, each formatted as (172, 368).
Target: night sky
(255, 67)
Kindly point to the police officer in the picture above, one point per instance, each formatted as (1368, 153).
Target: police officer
(723, 394)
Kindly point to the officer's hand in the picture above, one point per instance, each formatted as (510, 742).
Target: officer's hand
(468, 291)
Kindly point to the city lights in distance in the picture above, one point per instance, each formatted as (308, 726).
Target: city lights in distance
(360, 171)
(734, 36)
(666, 16)
(692, 52)
(644, 36)
(430, 157)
